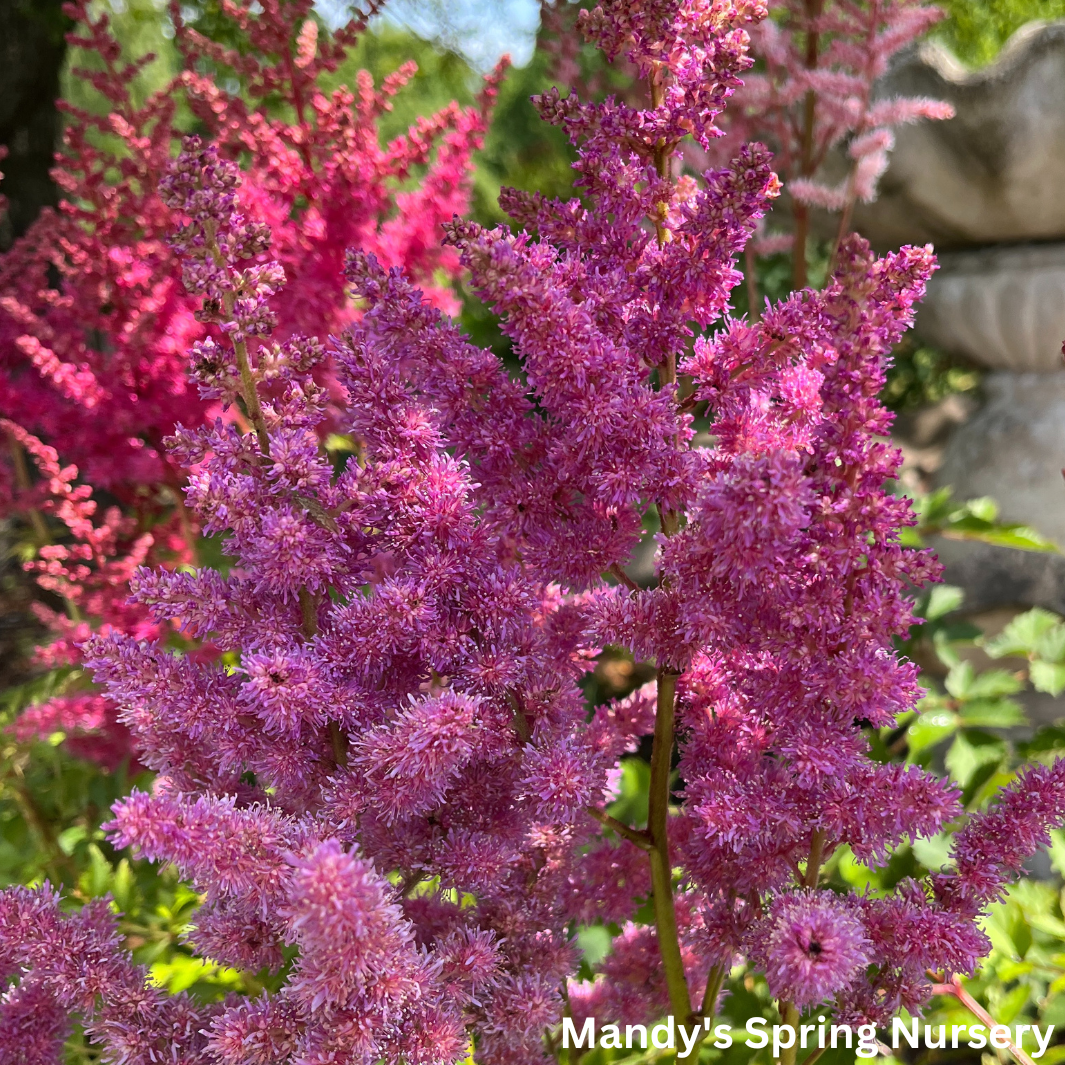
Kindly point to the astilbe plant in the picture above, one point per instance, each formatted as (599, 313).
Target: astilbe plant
(815, 92)
(95, 325)
(390, 793)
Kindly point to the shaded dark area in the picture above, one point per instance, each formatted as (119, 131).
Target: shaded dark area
(32, 48)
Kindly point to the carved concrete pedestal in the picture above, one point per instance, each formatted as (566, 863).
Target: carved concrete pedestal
(1013, 450)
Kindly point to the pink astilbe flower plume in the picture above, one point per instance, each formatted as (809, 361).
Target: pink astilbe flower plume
(815, 93)
(387, 787)
(95, 326)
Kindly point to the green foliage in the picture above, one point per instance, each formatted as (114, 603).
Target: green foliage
(971, 725)
(921, 375)
(975, 30)
(939, 514)
(141, 27)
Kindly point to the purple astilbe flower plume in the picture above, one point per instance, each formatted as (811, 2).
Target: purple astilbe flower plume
(387, 787)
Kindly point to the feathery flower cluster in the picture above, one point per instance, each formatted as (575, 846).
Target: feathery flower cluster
(95, 325)
(392, 796)
(816, 92)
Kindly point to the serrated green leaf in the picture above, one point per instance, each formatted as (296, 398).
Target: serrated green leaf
(992, 713)
(1048, 677)
(1050, 647)
(995, 682)
(69, 838)
(122, 885)
(960, 680)
(96, 880)
(1020, 637)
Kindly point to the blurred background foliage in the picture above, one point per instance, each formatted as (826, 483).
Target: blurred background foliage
(971, 725)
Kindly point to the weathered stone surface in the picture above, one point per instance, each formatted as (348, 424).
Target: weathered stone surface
(1002, 307)
(1002, 576)
(1013, 449)
(995, 172)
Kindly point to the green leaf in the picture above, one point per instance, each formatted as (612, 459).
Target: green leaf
(965, 757)
(1051, 645)
(945, 650)
(595, 943)
(1047, 922)
(631, 804)
(993, 713)
(179, 972)
(1046, 740)
(1009, 971)
(960, 680)
(69, 838)
(122, 885)
(983, 508)
(1048, 677)
(934, 508)
(1012, 1003)
(1020, 638)
(1053, 1055)
(929, 729)
(933, 853)
(993, 683)
(96, 880)
(966, 525)
(939, 600)
(1056, 850)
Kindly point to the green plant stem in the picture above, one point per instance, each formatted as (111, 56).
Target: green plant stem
(789, 1014)
(817, 855)
(705, 1016)
(714, 979)
(633, 835)
(661, 869)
